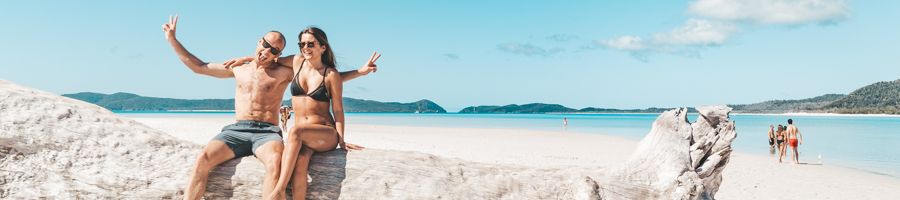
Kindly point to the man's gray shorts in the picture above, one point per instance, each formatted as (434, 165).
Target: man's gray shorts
(245, 136)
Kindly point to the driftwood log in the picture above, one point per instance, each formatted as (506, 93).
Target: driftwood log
(53, 146)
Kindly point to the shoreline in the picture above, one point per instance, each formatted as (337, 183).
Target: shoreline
(217, 122)
(747, 176)
(800, 114)
(171, 111)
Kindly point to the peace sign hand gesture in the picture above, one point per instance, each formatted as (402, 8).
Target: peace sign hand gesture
(370, 65)
(169, 28)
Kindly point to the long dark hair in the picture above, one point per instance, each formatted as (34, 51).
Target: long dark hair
(322, 39)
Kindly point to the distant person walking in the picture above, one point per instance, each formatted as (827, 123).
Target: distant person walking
(779, 141)
(794, 139)
(565, 122)
(771, 139)
(285, 116)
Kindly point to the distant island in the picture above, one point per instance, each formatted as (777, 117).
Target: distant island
(878, 98)
(369, 106)
(554, 108)
(785, 106)
(131, 102)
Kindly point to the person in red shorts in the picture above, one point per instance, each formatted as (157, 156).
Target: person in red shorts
(794, 139)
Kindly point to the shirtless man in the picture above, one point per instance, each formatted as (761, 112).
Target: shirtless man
(260, 86)
(794, 139)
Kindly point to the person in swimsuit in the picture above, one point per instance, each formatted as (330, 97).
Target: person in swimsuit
(258, 92)
(794, 139)
(317, 92)
(779, 140)
(771, 139)
(285, 116)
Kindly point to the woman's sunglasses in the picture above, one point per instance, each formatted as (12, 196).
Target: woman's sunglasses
(272, 49)
(307, 44)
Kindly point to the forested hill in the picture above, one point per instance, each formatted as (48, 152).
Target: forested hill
(785, 106)
(878, 98)
(131, 102)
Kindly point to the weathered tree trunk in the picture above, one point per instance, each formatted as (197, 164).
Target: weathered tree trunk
(52, 146)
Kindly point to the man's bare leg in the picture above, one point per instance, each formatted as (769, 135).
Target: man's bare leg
(215, 153)
(270, 155)
(301, 170)
(796, 155)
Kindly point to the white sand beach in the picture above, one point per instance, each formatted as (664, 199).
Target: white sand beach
(806, 114)
(60, 147)
(745, 177)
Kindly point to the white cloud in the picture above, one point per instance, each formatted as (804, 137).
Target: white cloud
(720, 20)
(527, 49)
(451, 56)
(562, 37)
(630, 43)
(778, 12)
(697, 32)
(693, 34)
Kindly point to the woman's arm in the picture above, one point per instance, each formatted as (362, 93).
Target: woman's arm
(367, 68)
(337, 103)
(337, 107)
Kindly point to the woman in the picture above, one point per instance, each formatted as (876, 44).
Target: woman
(317, 92)
(779, 138)
(771, 139)
(771, 136)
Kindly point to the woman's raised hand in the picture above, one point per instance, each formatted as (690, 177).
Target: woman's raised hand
(370, 65)
(237, 62)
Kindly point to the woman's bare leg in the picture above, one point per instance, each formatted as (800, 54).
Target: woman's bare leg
(292, 144)
(300, 183)
(783, 151)
(316, 137)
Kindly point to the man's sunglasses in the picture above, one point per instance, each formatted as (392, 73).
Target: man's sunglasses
(272, 49)
(307, 44)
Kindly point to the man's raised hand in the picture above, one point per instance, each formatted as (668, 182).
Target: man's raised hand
(169, 28)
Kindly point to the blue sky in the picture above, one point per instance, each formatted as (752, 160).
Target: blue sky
(616, 54)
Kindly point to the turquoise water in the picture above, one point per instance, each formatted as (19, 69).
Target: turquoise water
(867, 143)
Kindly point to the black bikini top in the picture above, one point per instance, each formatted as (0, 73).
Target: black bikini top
(319, 94)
